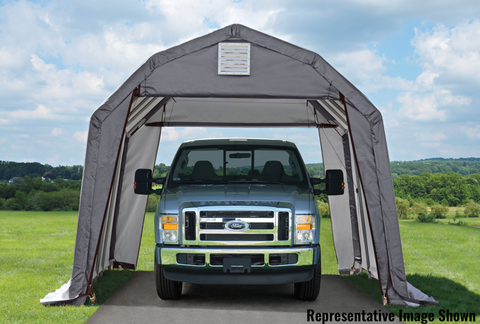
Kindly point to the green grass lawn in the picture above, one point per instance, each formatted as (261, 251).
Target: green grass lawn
(36, 255)
(440, 260)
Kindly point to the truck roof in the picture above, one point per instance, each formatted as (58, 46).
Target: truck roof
(238, 141)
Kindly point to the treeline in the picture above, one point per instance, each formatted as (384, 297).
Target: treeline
(10, 170)
(35, 194)
(160, 170)
(315, 170)
(449, 189)
(462, 166)
(428, 188)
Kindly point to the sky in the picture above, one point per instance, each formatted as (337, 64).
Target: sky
(417, 61)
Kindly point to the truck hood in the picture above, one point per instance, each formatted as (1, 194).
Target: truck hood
(272, 195)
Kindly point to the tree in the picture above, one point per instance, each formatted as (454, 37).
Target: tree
(439, 211)
(323, 209)
(160, 170)
(419, 207)
(402, 207)
(472, 209)
(21, 199)
(7, 191)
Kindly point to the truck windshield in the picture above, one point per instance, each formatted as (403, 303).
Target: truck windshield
(238, 163)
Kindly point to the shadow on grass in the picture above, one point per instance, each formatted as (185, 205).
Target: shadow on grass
(452, 297)
(107, 284)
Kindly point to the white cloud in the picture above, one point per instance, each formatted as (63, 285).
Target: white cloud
(434, 106)
(198, 18)
(40, 66)
(450, 59)
(367, 70)
(65, 83)
(54, 159)
(426, 78)
(57, 131)
(116, 48)
(389, 115)
(472, 133)
(361, 67)
(81, 136)
(430, 139)
(9, 57)
(41, 112)
(451, 54)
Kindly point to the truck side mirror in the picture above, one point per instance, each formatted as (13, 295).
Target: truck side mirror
(332, 185)
(142, 184)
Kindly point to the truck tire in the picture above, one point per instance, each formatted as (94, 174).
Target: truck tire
(166, 289)
(309, 290)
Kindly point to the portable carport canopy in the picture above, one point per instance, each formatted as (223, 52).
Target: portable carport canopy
(288, 86)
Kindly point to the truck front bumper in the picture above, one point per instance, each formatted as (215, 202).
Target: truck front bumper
(238, 266)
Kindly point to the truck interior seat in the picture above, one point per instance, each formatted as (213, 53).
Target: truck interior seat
(272, 171)
(203, 170)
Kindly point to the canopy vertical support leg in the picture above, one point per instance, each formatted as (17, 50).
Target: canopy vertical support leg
(89, 292)
(357, 251)
(117, 201)
(342, 99)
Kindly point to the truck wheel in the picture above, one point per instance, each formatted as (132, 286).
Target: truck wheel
(166, 289)
(309, 290)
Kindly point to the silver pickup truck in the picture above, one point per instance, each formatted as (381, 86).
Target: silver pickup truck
(238, 212)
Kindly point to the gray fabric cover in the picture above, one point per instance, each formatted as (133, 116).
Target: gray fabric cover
(278, 70)
(372, 155)
(227, 112)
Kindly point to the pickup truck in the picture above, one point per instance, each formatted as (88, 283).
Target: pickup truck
(238, 212)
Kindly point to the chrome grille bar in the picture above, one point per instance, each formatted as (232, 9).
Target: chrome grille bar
(255, 226)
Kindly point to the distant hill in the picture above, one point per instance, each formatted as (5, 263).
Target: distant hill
(472, 159)
(9, 170)
(463, 166)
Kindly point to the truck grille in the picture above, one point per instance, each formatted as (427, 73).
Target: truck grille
(283, 226)
(253, 226)
(233, 225)
(236, 214)
(236, 237)
(190, 230)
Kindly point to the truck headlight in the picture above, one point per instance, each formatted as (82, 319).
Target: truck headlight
(304, 229)
(169, 228)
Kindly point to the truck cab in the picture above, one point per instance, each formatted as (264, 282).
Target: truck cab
(238, 212)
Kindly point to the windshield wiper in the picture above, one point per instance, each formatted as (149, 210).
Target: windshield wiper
(199, 181)
(256, 181)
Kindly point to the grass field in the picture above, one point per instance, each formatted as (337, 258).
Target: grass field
(440, 260)
(36, 254)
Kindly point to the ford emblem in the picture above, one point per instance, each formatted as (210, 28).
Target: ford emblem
(236, 225)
